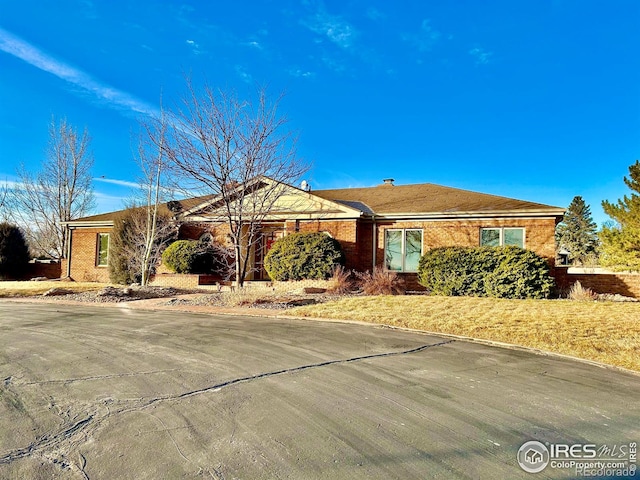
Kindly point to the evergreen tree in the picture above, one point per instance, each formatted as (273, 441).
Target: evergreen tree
(621, 241)
(14, 253)
(577, 232)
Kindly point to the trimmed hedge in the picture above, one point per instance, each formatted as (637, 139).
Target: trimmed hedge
(188, 256)
(302, 256)
(502, 272)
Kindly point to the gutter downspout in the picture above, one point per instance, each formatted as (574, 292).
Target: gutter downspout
(374, 242)
(68, 253)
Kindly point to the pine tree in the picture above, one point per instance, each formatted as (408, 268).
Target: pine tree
(577, 232)
(621, 241)
(14, 252)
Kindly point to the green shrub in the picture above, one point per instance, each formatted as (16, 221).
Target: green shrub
(301, 256)
(14, 252)
(504, 272)
(519, 274)
(188, 256)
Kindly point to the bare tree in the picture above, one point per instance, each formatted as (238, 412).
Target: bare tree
(130, 256)
(4, 202)
(239, 153)
(146, 227)
(59, 192)
(153, 170)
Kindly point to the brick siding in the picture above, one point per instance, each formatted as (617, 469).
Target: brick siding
(598, 280)
(84, 256)
(355, 237)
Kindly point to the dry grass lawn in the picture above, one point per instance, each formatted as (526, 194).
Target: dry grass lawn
(30, 289)
(606, 332)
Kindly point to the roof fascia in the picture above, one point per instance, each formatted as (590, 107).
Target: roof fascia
(550, 213)
(334, 209)
(88, 223)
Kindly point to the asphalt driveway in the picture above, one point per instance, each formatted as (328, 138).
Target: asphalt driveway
(107, 393)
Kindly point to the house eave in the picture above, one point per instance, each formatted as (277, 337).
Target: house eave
(88, 223)
(471, 215)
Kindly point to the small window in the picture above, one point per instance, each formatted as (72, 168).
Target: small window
(103, 250)
(496, 237)
(402, 250)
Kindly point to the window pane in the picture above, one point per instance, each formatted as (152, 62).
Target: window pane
(393, 250)
(514, 236)
(413, 250)
(103, 249)
(490, 237)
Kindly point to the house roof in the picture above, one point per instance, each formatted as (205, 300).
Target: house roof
(428, 198)
(109, 217)
(425, 200)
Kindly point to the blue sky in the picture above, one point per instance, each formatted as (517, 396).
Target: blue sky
(538, 100)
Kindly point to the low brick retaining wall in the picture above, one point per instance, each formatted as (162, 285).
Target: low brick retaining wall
(180, 280)
(599, 280)
(39, 269)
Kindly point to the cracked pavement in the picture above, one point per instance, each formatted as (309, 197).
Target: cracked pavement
(95, 393)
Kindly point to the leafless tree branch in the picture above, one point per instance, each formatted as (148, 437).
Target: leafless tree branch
(237, 151)
(59, 192)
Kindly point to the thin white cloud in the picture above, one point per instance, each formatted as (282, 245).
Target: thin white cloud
(104, 93)
(426, 38)
(12, 185)
(122, 183)
(375, 14)
(252, 44)
(300, 73)
(195, 47)
(243, 74)
(335, 28)
(481, 56)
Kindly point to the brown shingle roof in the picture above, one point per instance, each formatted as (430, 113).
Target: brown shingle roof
(163, 209)
(386, 199)
(427, 198)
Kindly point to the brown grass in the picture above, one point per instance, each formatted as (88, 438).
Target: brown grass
(341, 281)
(581, 294)
(606, 332)
(381, 282)
(31, 289)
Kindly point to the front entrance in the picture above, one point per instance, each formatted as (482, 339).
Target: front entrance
(267, 237)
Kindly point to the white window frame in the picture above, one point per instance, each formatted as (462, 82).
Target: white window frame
(98, 238)
(403, 251)
(501, 231)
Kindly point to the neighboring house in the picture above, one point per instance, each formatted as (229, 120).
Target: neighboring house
(389, 225)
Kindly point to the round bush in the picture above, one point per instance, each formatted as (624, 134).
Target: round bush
(188, 256)
(504, 272)
(14, 252)
(519, 274)
(302, 256)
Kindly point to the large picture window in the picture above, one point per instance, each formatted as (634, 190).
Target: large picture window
(402, 250)
(497, 237)
(103, 250)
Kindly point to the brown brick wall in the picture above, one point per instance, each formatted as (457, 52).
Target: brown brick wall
(539, 234)
(344, 231)
(40, 269)
(174, 280)
(355, 237)
(83, 259)
(598, 280)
